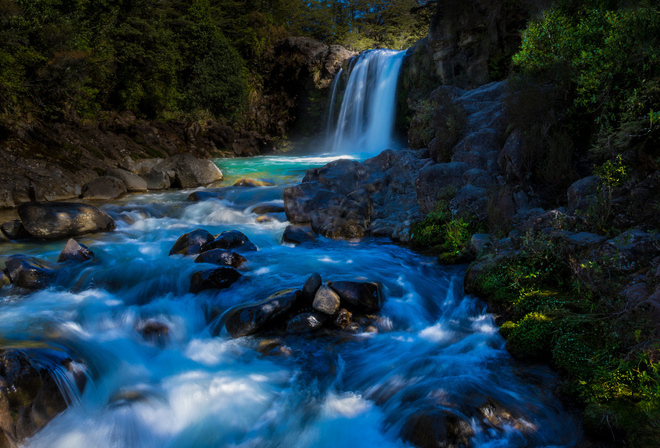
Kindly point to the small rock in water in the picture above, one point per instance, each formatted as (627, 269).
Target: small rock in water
(245, 182)
(326, 301)
(220, 278)
(4, 280)
(365, 296)
(14, 230)
(221, 257)
(191, 243)
(154, 331)
(273, 347)
(231, 239)
(199, 196)
(306, 322)
(312, 285)
(343, 319)
(74, 251)
(267, 208)
(435, 428)
(256, 317)
(263, 219)
(298, 234)
(29, 272)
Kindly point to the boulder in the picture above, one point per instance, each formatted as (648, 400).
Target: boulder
(306, 322)
(230, 239)
(52, 220)
(630, 250)
(219, 278)
(326, 301)
(511, 159)
(245, 320)
(312, 284)
(14, 230)
(302, 200)
(221, 257)
(103, 188)
(582, 192)
(133, 182)
(29, 397)
(188, 171)
(191, 243)
(245, 182)
(364, 296)
(298, 234)
(581, 241)
(75, 252)
(432, 179)
(140, 167)
(29, 272)
(157, 180)
(479, 242)
(340, 176)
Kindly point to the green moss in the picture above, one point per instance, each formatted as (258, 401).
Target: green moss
(529, 338)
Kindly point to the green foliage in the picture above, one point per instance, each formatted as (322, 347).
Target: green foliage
(529, 337)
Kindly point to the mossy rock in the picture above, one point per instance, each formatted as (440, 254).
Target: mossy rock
(529, 339)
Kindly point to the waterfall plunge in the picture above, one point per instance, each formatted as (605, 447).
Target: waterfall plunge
(366, 119)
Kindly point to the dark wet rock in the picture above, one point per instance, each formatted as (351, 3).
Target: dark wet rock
(306, 322)
(253, 318)
(630, 250)
(479, 242)
(157, 180)
(582, 192)
(103, 188)
(221, 257)
(437, 428)
(29, 272)
(581, 241)
(3, 237)
(52, 220)
(231, 239)
(264, 219)
(434, 178)
(187, 171)
(246, 182)
(364, 296)
(267, 208)
(75, 252)
(312, 284)
(199, 196)
(326, 301)
(14, 230)
(511, 160)
(154, 331)
(191, 243)
(273, 347)
(4, 280)
(342, 319)
(298, 234)
(133, 182)
(219, 278)
(29, 397)
(302, 200)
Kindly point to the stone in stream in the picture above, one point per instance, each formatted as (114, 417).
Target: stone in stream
(246, 182)
(199, 196)
(154, 331)
(14, 230)
(133, 182)
(29, 397)
(343, 319)
(157, 180)
(326, 301)
(75, 252)
(437, 428)
(253, 318)
(364, 296)
(187, 171)
(222, 257)
(29, 272)
(306, 322)
(219, 278)
(312, 284)
(230, 239)
(103, 188)
(191, 243)
(298, 234)
(52, 220)
(4, 280)
(267, 208)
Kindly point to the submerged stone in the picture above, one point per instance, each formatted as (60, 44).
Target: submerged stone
(29, 272)
(191, 243)
(220, 278)
(256, 317)
(231, 239)
(221, 257)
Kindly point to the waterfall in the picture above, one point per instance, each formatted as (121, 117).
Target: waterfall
(366, 118)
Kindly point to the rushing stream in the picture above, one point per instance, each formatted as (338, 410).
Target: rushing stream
(436, 351)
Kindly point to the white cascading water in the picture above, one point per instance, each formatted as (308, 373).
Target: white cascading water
(366, 119)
